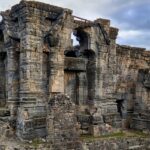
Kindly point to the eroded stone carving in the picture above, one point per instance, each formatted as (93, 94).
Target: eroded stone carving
(51, 39)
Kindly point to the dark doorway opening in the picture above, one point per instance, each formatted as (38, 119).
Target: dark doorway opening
(120, 107)
(2, 79)
(1, 36)
(72, 53)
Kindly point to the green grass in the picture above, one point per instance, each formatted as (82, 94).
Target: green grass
(119, 134)
(141, 134)
(36, 142)
(112, 135)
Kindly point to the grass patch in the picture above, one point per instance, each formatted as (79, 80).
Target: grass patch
(36, 142)
(141, 134)
(120, 134)
(111, 135)
(117, 134)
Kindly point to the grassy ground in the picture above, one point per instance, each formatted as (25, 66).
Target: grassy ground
(119, 134)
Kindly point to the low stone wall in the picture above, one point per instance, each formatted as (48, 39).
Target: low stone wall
(118, 144)
(131, 143)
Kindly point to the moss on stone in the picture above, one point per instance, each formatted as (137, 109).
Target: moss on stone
(36, 142)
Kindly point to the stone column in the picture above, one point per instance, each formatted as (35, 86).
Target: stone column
(56, 76)
(32, 110)
(56, 56)
(82, 88)
(91, 77)
(12, 79)
(31, 76)
(32, 96)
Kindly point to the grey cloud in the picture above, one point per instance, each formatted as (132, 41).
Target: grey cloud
(141, 40)
(136, 17)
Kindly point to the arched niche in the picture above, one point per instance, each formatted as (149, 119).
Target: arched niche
(76, 84)
(80, 41)
(74, 39)
(82, 38)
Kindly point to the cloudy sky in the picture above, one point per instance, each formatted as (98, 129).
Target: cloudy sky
(130, 16)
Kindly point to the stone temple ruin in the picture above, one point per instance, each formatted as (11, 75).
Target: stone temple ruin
(108, 84)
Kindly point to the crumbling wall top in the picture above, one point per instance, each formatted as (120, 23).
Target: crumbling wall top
(38, 5)
(133, 52)
(126, 47)
(113, 32)
(104, 22)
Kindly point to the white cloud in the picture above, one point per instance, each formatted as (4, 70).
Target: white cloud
(137, 38)
(129, 33)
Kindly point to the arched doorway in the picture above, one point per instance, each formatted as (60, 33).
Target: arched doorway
(79, 60)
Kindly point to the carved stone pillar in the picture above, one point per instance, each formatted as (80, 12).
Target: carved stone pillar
(56, 76)
(12, 79)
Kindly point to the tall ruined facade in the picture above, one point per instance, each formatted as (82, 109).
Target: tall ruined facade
(109, 83)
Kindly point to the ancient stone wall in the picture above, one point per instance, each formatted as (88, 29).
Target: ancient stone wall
(130, 91)
(117, 144)
(35, 70)
(109, 83)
